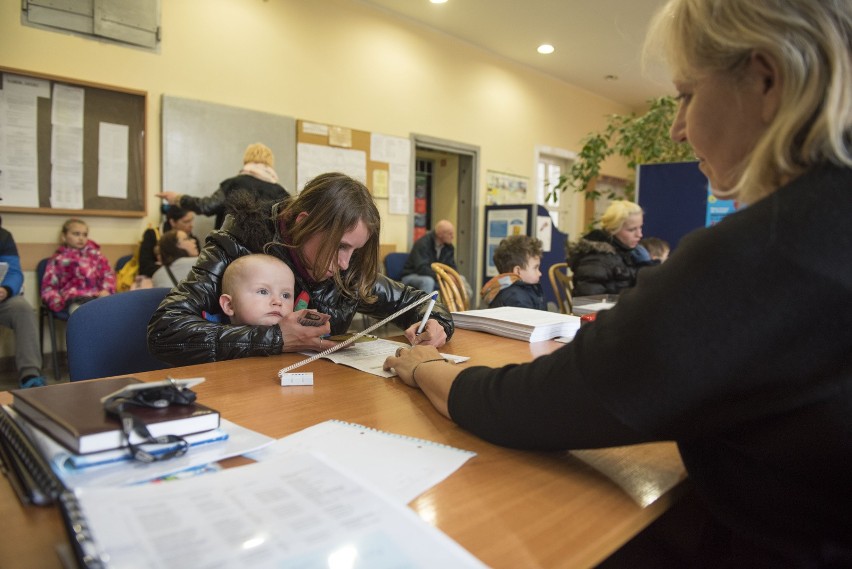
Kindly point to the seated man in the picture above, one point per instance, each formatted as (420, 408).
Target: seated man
(436, 245)
(17, 314)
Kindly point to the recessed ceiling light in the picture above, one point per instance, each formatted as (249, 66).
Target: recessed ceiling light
(610, 77)
(438, 1)
(545, 48)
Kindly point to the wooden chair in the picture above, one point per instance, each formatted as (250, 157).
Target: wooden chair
(450, 284)
(563, 286)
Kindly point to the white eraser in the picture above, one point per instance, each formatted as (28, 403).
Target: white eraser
(297, 378)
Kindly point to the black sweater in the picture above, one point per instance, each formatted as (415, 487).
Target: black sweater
(739, 348)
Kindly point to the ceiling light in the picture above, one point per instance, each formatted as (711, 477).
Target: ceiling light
(438, 1)
(610, 77)
(545, 48)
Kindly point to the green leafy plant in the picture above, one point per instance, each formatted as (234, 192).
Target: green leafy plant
(642, 139)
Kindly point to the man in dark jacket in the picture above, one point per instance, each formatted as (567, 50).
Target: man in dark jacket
(435, 246)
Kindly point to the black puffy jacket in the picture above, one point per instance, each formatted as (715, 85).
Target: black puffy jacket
(602, 265)
(179, 333)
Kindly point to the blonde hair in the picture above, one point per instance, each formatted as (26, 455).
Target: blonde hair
(809, 40)
(259, 153)
(616, 214)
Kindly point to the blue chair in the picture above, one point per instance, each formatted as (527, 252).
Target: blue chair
(45, 313)
(109, 335)
(394, 262)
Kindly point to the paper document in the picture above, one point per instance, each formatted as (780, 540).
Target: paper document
(402, 467)
(4, 268)
(369, 357)
(525, 324)
(294, 511)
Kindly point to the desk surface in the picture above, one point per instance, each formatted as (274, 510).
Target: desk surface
(509, 508)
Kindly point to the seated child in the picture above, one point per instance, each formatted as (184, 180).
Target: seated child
(257, 290)
(78, 272)
(657, 248)
(519, 255)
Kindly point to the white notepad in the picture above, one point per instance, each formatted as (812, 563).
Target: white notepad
(403, 467)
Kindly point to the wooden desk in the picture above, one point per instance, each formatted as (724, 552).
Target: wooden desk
(509, 508)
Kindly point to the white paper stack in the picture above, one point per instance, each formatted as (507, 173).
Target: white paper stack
(525, 324)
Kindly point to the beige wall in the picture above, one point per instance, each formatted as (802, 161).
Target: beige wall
(334, 61)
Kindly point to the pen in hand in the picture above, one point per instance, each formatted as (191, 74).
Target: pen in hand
(428, 313)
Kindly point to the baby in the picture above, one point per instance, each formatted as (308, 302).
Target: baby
(257, 290)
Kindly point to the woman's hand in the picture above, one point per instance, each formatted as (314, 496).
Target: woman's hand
(425, 368)
(405, 360)
(172, 197)
(433, 334)
(299, 337)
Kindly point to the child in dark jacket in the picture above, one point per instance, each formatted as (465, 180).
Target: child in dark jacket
(519, 255)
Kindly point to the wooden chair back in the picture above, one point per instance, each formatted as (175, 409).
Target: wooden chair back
(451, 287)
(563, 286)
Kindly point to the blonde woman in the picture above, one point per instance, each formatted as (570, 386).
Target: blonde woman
(722, 348)
(607, 260)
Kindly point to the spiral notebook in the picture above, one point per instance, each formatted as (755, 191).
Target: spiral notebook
(403, 467)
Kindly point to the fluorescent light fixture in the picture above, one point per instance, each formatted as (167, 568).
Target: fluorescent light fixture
(546, 48)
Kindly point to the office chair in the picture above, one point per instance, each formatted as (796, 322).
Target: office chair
(394, 262)
(453, 291)
(46, 313)
(109, 335)
(563, 286)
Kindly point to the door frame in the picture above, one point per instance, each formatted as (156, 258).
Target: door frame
(467, 222)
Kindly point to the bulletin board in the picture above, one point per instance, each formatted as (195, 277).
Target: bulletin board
(69, 147)
(382, 163)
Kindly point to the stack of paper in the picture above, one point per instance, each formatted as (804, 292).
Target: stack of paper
(519, 323)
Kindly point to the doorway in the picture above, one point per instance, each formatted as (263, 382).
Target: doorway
(451, 171)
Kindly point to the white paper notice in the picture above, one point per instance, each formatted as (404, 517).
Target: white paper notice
(112, 160)
(294, 511)
(315, 159)
(396, 151)
(18, 153)
(66, 173)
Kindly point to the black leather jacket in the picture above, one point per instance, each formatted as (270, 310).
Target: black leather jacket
(217, 203)
(179, 333)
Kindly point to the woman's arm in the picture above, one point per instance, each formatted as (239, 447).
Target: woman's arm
(425, 368)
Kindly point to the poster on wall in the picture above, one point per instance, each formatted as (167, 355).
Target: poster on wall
(504, 189)
(717, 208)
(501, 222)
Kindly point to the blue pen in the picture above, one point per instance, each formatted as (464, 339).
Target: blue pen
(428, 313)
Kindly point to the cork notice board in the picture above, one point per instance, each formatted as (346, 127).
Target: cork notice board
(71, 147)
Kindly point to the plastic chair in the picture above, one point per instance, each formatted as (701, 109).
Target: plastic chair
(563, 286)
(109, 335)
(453, 292)
(394, 262)
(46, 313)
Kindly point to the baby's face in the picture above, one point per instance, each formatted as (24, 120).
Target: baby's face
(265, 296)
(531, 273)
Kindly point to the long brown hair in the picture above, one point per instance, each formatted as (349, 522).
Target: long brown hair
(336, 203)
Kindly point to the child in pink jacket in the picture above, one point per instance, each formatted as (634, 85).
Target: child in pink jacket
(77, 272)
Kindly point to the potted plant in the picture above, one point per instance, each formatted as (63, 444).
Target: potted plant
(642, 139)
